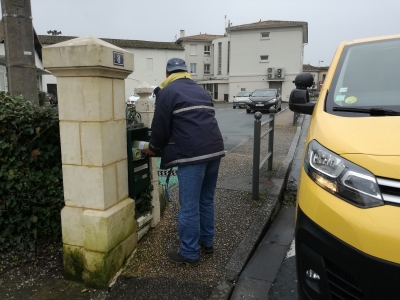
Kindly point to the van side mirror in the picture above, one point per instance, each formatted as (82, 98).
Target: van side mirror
(299, 100)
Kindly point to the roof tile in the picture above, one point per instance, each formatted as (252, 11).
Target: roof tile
(54, 39)
(200, 37)
(266, 24)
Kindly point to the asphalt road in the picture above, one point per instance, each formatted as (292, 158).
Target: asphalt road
(235, 124)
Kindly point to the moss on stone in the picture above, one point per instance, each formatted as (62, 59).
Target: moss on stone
(101, 267)
(74, 262)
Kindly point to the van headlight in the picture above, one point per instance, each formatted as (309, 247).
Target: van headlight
(341, 177)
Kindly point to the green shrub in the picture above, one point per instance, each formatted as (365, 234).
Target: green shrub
(42, 98)
(31, 191)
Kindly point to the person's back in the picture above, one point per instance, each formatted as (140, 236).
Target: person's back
(194, 134)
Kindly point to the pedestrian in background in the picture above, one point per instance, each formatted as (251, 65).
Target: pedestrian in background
(184, 130)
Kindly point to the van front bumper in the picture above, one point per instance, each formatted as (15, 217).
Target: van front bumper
(344, 272)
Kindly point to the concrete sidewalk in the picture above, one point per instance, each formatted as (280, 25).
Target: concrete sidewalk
(260, 272)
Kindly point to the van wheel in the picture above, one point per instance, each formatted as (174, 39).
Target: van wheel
(234, 107)
(248, 111)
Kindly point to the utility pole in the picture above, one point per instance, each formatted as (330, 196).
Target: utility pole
(19, 49)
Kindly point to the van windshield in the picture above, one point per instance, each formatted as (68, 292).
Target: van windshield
(367, 78)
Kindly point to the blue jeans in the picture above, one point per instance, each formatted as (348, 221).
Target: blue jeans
(197, 184)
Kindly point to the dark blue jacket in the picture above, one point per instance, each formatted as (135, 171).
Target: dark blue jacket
(184, 127)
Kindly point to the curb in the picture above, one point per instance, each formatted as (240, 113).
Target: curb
(259, 226)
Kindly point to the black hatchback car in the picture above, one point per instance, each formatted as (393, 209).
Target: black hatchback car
(263, 100)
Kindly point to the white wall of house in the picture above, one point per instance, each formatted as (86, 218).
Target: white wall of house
(3, 79)
(211, 79)
(47, 79)
(196, 57)
(220, 51)
(149, 66)
(248, 70)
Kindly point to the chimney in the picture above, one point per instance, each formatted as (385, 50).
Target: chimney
(182, 34)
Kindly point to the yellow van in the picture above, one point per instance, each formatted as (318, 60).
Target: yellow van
(348, 200)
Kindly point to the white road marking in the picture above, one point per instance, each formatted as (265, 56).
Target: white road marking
(292, 251)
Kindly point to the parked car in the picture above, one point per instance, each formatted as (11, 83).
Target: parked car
(314, 94)
(50, 97)
(133, 98)
(263, 100)
(241, 99)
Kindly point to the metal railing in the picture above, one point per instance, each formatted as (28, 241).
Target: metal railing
(257, 165)
(295, 118)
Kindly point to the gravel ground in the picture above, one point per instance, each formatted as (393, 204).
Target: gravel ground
(149, 274)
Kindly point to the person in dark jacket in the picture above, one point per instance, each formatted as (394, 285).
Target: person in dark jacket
(186, 133)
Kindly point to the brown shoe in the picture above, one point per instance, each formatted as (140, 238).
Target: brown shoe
(176, 257)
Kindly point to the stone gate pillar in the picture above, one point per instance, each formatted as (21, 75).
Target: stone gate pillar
(98, 225)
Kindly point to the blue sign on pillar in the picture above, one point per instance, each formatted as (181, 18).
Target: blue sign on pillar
(118, 58)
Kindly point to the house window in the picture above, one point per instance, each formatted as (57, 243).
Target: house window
(264, 35)
(193, 68)
(206, 69)
(207, 50)
(323, 77)
(193, 49)
(149, 64)
(229, 55)
(264, 58)
(219, 58)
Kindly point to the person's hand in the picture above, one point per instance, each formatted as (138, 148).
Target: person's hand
(148, 152)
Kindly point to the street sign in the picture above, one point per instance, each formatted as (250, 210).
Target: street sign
(118, 58)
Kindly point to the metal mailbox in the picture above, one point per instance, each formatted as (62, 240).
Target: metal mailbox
(138, 167)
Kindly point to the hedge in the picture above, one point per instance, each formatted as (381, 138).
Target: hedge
(31, 189)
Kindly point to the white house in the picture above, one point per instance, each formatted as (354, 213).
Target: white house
(150, 59)
(265, 54)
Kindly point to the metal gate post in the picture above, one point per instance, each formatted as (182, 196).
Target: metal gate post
(256, 154)
(271, 137)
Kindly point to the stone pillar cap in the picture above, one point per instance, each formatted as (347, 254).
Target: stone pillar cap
(85, 51)
(143, 88)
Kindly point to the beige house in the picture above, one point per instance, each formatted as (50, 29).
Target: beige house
(265, 54)
(150, 59)
(202, 62)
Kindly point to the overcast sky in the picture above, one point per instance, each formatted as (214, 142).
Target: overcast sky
(329, 21)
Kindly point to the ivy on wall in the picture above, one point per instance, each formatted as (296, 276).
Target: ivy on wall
(31, 191)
